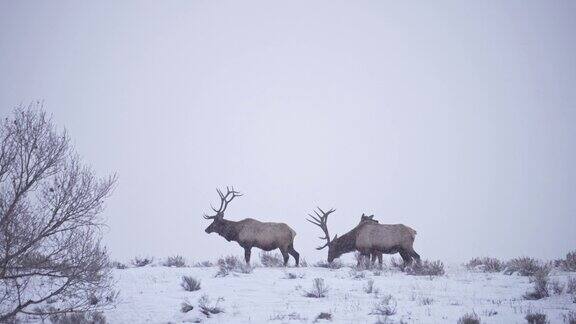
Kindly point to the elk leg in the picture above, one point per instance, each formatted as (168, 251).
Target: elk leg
(247, 252)
(415, 256)
(406, 257)
(380, 259)
(294, 254)
(373, 260)
(285, 256)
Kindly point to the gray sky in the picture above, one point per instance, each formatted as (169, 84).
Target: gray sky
(455, 120)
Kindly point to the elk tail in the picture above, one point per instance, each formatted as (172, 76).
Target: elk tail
(293, 232)
(412, 233)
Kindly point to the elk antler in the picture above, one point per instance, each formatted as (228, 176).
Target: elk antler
(225, 199)
(321, 221)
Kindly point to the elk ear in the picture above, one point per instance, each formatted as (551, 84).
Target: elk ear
(363, 215)
(371, 216)
(334, 239)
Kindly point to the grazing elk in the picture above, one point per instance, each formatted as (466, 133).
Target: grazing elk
(249, 233)
(367, 238)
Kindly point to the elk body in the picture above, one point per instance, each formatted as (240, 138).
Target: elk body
(368, 238)
(249, 233)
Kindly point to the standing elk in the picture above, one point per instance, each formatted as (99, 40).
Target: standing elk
(368, 238)
(249, 233)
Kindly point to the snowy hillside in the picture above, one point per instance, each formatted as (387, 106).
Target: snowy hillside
(277, 295)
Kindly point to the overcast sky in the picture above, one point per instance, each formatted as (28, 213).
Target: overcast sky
(458, 121)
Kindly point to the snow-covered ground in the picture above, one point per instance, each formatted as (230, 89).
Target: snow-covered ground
(153, 294)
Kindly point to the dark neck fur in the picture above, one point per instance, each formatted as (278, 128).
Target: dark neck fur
(229, 230)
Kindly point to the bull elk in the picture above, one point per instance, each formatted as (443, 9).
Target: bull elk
(249, 233)
(368, 237)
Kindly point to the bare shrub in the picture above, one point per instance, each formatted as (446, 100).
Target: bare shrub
(176, 261)
(118, 265)
(369, 288)
(287, 317)
(185, 307)
(427, 268)
(540, 290)
(203, 264)
(485, 264)
(207, 308)
(291, 275)
(385, 306)
(526, 266)
(232, 264)
(50, 224)
(426, 301)
(489, 312)
(469, 318)
(324, 316)
(570, 317)
(396, 264)
(190, 283)
(556, 287)
(139, 262)
(336, 264)
(303, 263)
(536, 318)
(357, 274)
(571, 285)
(271, 260)
(78, 318)
(567, 264)
(319, 289)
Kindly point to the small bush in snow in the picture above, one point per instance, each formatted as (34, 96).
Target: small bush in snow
(185, 307)
(230, 264)
(369, 288)
(289, 317)
(303, 263)
(324, 316)
(568, 264)
(291, 275)
(396, 264)
(203, 264)
(556, 287)
(175, 261)
(118, 265)
(319, 289)
(536, 318)
(386, 306)
(485, 264)
(206, 308)
(526, 266)
(426, 301)
(470, 318)
(427, 268)
(78, 318)
(271, 260)
(190, 283)
(336, 264)
(141, 261)
(540, 289)
(571, 285)
(570, 318)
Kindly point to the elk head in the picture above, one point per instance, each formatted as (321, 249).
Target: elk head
(218, 219)
(321, 221)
